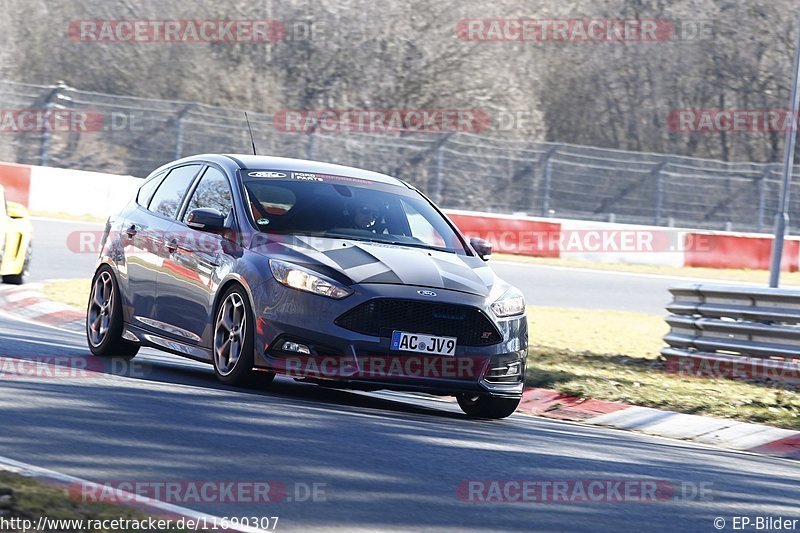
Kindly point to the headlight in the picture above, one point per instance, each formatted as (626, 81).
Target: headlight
(299, 278)
(510, 304)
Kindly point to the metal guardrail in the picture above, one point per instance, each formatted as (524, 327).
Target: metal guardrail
(734, 331)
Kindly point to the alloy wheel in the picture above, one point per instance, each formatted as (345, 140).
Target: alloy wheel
(229, 332)
(100, 307)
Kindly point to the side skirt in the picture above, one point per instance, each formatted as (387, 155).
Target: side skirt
(153, 340)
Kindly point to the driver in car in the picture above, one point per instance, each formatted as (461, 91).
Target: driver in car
(365, 216)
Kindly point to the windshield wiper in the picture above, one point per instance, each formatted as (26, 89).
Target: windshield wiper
(360, 239)
(395, 243)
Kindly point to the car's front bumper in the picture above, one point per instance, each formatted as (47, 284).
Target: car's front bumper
(344, 358)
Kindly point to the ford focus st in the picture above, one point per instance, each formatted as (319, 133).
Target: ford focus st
(324, 273)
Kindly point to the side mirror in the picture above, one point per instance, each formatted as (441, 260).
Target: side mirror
(482, 247)
(205, 219)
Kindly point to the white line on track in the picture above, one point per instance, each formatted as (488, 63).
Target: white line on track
(66, 221)
(24, 320)
(45, 343)
(29, 470)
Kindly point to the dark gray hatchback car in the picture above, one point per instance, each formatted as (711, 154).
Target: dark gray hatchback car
(325, 273)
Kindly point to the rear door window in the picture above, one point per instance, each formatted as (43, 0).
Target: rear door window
(148, 188)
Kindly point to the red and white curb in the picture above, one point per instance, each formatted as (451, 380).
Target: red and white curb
(726, 433)
(27, 301)
(154, 508)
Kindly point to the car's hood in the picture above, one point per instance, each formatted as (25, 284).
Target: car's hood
(366, 262)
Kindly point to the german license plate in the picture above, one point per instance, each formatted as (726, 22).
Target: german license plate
(420, 343)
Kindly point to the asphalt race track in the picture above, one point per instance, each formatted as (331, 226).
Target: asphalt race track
(384, 461)
(380, 461)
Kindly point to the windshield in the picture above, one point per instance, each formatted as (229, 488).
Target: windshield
(323, 205)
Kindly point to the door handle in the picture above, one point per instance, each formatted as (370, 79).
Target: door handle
(172, 246)
(131, 232)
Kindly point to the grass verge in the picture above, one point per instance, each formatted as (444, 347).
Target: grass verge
(721, 274)
(608, 355)
(28, 499)
(74, 292)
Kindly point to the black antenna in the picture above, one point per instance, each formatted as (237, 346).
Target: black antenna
(251, 133)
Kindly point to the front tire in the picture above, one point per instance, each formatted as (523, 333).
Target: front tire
(482, 406)
(104, 318)
(233, 342)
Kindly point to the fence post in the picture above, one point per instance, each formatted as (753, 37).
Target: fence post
(762, 198)
(310, 145)
(437, 176)
(659, 191)
(44, 149)
(548, 179)
(179, 130)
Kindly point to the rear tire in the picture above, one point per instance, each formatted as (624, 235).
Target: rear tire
(482, 406)
(104, 318)
(233, 343)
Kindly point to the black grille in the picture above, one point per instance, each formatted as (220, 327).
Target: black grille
(382, 316)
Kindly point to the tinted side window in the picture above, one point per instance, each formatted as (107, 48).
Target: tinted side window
(147, 189)
(212, 192)
(168, 197)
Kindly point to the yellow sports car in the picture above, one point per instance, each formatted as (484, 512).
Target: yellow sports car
(15, 241)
